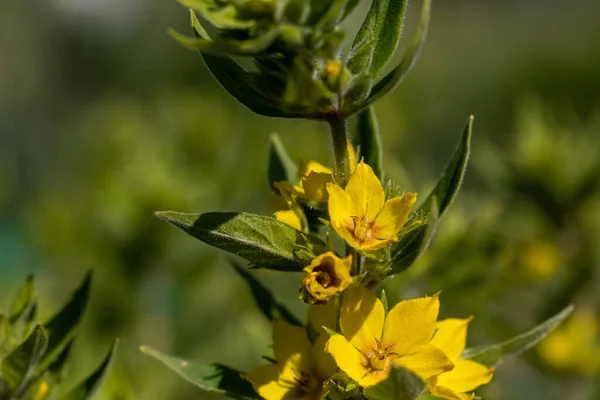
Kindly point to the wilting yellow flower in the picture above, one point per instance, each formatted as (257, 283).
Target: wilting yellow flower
(467, 375)
(300, 370)
(574, 345)
(372, 342)
(360, 214)
(326, 276)
(289, 217)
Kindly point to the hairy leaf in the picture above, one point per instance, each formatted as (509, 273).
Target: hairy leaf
(494, 355)
(213, 378)
(18, 366)
(61, 327)
(452, 177)
(401, 385)
(262, 240)
(382, 25)
(269, 306)
(87, 389)
(397, 75)
(367, 135)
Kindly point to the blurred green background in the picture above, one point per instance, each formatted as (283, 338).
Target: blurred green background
(104, 119)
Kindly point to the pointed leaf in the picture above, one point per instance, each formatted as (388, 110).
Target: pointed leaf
(22, 300)
(87, 389)
(262, 240)
(56, 367)
(453, 174)
(270, 307)
(367, 135)
(281, 165)
(383, 25)
(401, 385)
(214, 378)
(397, 75)
(61, 327)
(412, 246)
(18, 366)
(238, 82)
(492, 356)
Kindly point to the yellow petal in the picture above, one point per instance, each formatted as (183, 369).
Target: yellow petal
(451, 336)
(425, 362)
(447, 393)
(315, 186)
(340, 212)
(289, 217)
(411, 323)
(361, 318)
(324, 315)
(352, 361)
(325, 364)
(265, 380)
(287, 189)
(366, 192)
(466, 376)
(312, 166)
(289, 340)
(393, 215)
(351, 156)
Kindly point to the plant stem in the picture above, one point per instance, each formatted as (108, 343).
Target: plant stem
(341, 159)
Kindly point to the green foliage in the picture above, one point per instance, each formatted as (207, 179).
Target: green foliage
(280, 164)
(32, 367)
(493, 356)
(212, 378)
(452, 177)
(401, 385)
(264, 241)
(369, 140)
(266, 302)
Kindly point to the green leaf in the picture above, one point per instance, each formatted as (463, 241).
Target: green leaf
(401, 385)
(281, 165)
(270, 307)
(494, 355)
(412, 245)
(397, 75)
(61, 326)
(262, 240)
(215, 378)
(18, 366)
(22, 300)
(367, 135)
(238, 82)
(87, 389)
(383, 25)
(453, 174)
(225, 17)
(58, 363)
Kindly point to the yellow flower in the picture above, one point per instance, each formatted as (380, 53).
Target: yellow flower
(467, 375)
(360, 214)
(574, 345)
(300, 370)
(289, 217)
(326, 276)
(313, 178)
(372, 342)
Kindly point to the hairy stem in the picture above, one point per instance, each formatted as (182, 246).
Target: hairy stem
(341, 158)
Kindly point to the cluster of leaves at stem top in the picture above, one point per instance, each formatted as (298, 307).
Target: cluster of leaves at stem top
(300, 68)
(33, 355)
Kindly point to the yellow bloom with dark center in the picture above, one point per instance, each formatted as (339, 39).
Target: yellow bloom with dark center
(467, 375)
(361, 215)
(326, 276)
(301, 367)
(372, 342)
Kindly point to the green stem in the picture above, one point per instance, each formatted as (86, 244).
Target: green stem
(341, 158)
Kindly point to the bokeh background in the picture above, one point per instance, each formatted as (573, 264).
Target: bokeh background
(104, 119)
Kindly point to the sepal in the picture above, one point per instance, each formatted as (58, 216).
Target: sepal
(400, 385)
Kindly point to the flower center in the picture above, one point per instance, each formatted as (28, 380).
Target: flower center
(362, 229)
(306, 382)
(379, 357)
